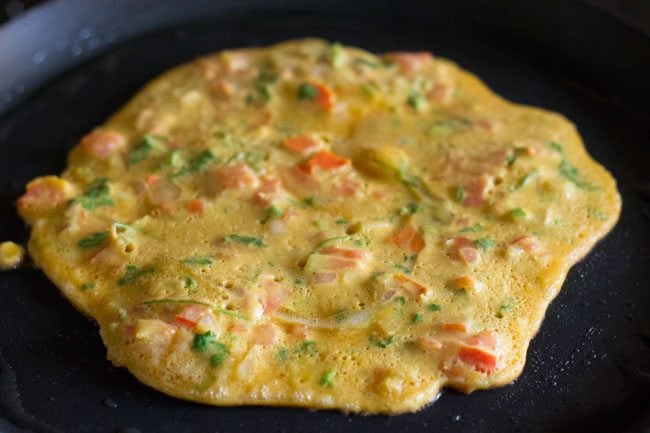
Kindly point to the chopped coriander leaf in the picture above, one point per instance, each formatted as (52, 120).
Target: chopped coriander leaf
(484, 243)
(524, 180)
(383, 343)
(87, 286)
(472, 229)
(307, 91)
(199, 260)
(409, 208)
(201, 342)
(403, 268)
(340, 221)
(400, 300)
(459, 193)
(245, 240)
(307, 347)
(141, 150)
(198, 162)
(308, 201)
(96, 195)
(449, 126)
(517, 213)
(132, 273)
(506, 305)
(327, 379)
(190, 283)
(283, 354)
(417, 318)
(273, 212)
(220, 354)
(415, 100)
(571, 173)
(511, 159)
(557, 147)
(94, 240)
(434, 307)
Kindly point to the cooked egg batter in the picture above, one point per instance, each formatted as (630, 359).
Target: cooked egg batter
(312, 225)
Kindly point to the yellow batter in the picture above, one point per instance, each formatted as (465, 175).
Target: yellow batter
(312, 225)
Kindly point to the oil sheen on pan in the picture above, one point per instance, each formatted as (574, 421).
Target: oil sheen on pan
(312, 225)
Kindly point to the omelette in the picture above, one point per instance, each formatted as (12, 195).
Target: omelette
(313, 225)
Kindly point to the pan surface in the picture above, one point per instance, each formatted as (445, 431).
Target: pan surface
(67, 65)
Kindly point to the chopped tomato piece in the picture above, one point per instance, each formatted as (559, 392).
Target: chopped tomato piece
(325, 160)
(323, 278)
(100, 144)
(527, 243)
(482, 361)
(348, 187)
(485, 339)
(429, 343)
(440, 93)
(191, 315)
(454, 327)
(269, 191)
(462, 248)
(43, 193)
(325, 97)
(409, 61)
(302, 144)
(476, 190)
(275, 294)
(343, 252)
(152, 179)
(409, 239)
(264, 334)
(196, 206)
(235, 176)
(299, 330)
(409, 286)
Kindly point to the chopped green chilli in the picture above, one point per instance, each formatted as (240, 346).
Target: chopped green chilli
(245, 240)
(93, 240)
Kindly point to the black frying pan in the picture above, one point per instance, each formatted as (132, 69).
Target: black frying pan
(65, 66)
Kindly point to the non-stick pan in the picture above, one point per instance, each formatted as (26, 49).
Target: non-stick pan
(66, 65)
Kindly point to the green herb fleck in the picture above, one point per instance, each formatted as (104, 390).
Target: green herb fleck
(190, 283)
(556, 147)
(400, 300)
(340, 222)
(449, 126)
(307, 347)
(87, 286)
(408, 209)
(245, 240)
(484, 243)
(132, 273)
(327, 379)
(199, 260)
(220, 354)
(96, 195)
(472, 229)
(273, 212)
(94, 240)
(571, 173)
(506, 306)
(434, 307)
(517, 213)
(308, 201)
(524, 180)
(415, 100)
(201, 342)
(141, 151)
(459, 194)
(403, 268)
(283, 354)
(383, 343)
(417, 318)
(198, 162)
(307, 91)
(366, 62)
